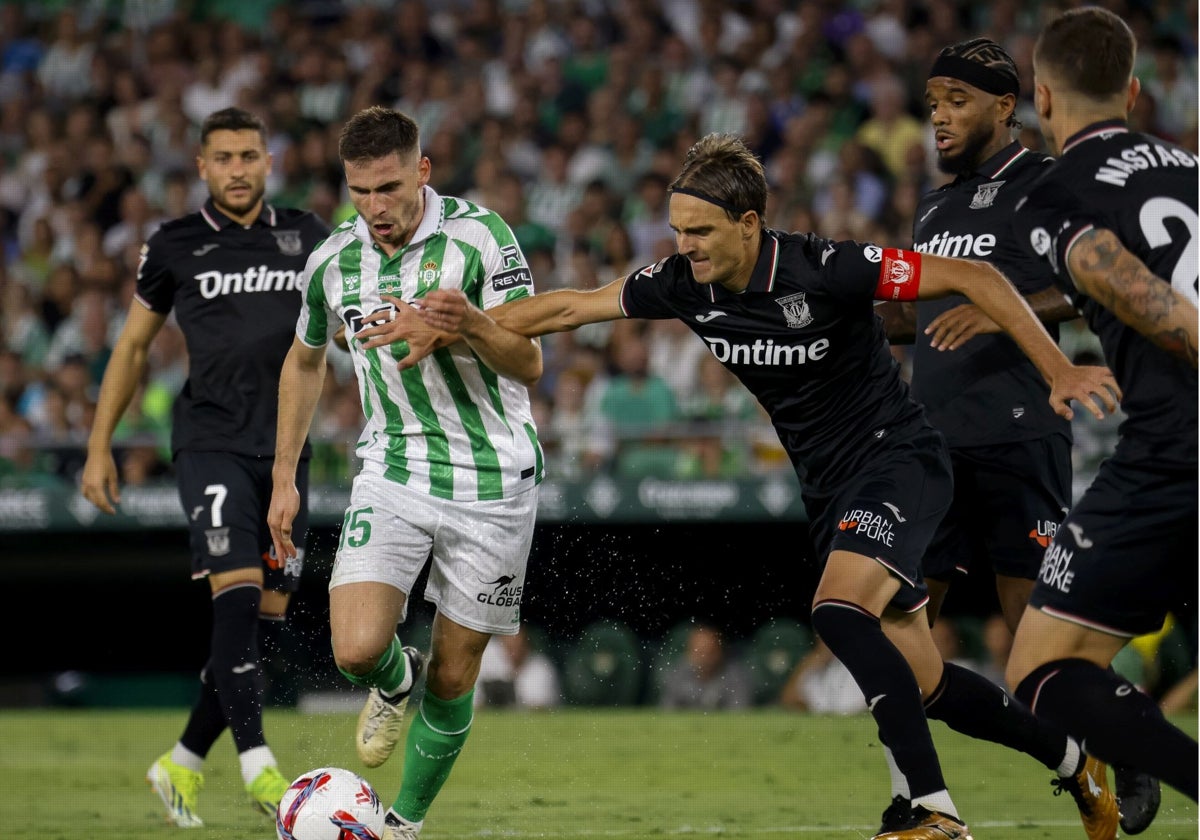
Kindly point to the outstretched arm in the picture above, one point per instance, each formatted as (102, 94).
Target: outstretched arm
(561, 310)
(1115, 278)
(448, 316)
(988, 289)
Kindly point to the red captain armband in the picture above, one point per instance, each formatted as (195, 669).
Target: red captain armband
(899, 275)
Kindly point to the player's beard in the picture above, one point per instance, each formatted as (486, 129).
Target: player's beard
(969, 158)
(240, 205)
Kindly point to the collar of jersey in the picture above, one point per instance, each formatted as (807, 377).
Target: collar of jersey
(993, 167)
(762, 279)
(1096, 129)
(431, 223)
(218, 220)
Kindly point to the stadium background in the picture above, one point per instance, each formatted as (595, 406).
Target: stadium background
(569, 118)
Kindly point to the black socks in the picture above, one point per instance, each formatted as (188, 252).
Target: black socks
(893, 697)
(1112, 720)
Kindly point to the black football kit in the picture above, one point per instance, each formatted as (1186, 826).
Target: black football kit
(1126, 553)
(804, 339)
(1011, 452)
(234, 293)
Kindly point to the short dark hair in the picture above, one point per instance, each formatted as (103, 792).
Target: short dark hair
(994, 59)
(377, 132)
(1088, 49)
(232, 119)
(722, 167)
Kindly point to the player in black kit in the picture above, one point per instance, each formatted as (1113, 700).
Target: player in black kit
(1010, 451)
(792, 316)
(1116, 220)
(229, 273)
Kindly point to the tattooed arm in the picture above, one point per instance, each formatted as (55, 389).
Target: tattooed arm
(1105, 270)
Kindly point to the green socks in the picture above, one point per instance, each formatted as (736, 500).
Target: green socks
(388, 674)
(436, 735)
(435, 738)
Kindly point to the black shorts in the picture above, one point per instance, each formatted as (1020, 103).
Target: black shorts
(889, 511)
(1008, 501)
(226, 498)
(1126, 554)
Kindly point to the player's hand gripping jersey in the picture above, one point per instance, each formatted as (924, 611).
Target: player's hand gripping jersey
(450, 426)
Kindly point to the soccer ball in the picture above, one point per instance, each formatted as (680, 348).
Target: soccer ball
(330, 803)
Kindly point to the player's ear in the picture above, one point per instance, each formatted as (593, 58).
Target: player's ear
(1007, 107)
(424, 168)
(1135, 87)
(1041, 100)
(750, 222)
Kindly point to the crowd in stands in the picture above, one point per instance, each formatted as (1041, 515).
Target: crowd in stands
(568, 117)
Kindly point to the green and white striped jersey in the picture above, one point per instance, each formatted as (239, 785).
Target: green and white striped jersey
(449, 426)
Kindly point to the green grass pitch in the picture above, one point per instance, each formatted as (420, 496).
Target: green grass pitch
(576, 774)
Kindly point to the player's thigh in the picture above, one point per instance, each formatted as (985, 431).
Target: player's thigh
(1123, 555)
(1042, 638)
(1024, 491)
(856, 579)
(362, 621)
(1012, 593)
(888, 513)
(385, 542)
(480, 554)
(955, 547)
(1008, 501)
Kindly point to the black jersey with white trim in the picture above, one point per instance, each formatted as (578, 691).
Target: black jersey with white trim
(804, 339)
(1144, 190)
(987, 391)
(234, 291)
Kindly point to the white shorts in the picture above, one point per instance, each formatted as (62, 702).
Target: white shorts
(479, 550)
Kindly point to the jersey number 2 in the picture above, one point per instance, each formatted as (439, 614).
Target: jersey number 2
(1152, 218)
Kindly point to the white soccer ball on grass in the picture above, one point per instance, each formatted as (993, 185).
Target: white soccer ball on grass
(330, 803)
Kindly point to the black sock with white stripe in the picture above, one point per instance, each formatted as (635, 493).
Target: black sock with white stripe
(1113, 721)
(893, 697)
(972, 704)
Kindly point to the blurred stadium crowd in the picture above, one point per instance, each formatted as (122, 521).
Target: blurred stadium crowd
(568, 117)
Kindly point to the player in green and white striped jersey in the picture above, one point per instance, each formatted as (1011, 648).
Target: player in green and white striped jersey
(455, 430)
(451, 460)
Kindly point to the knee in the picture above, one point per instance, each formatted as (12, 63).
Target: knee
(273, 604)
(356, 655)
(833, 619)
(1023, 659)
